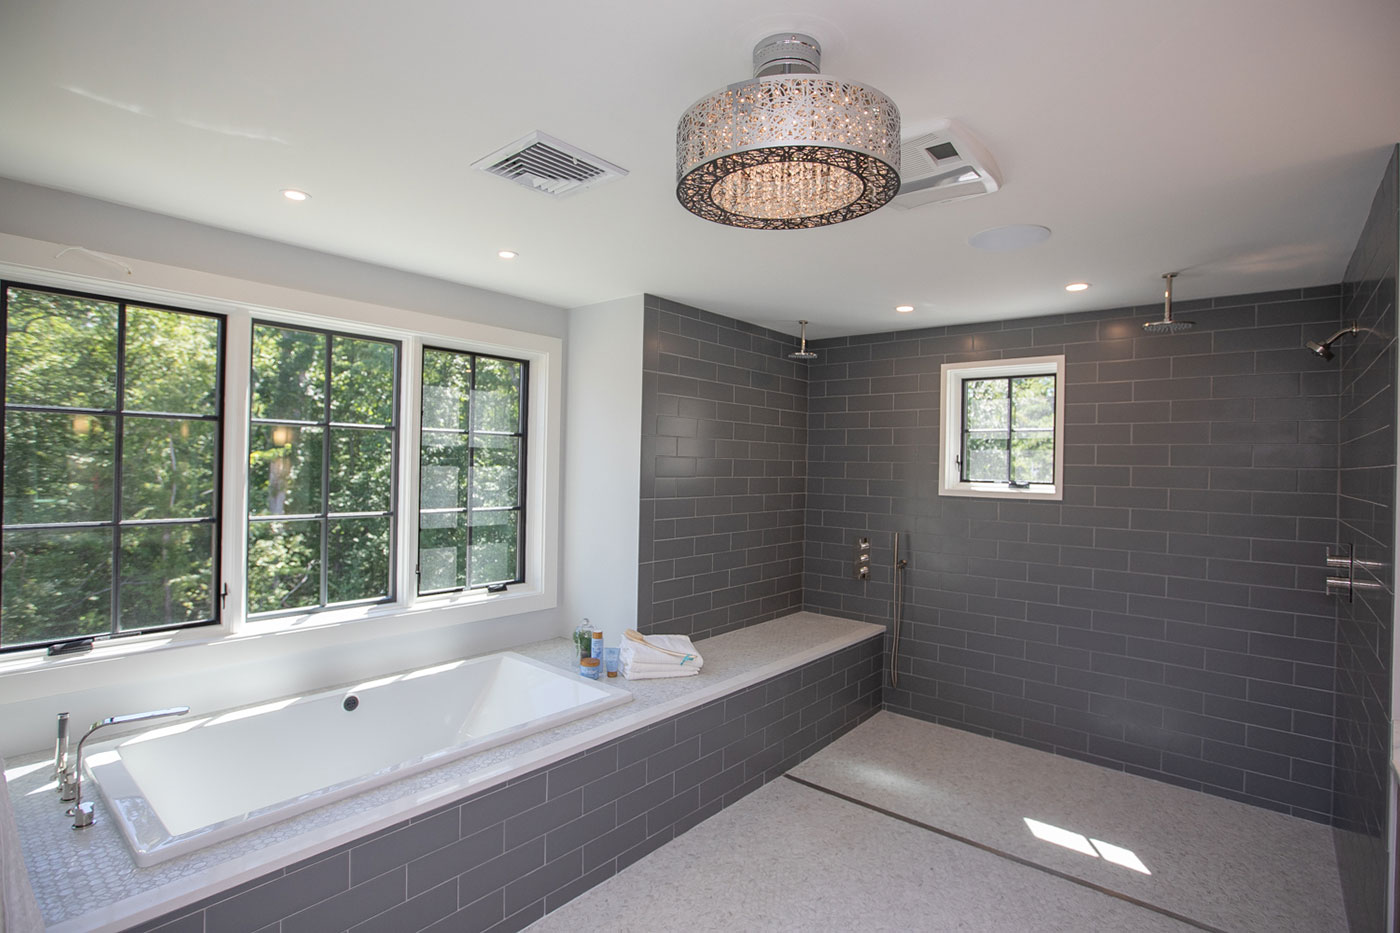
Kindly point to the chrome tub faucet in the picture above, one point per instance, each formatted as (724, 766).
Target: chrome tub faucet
(71, 781)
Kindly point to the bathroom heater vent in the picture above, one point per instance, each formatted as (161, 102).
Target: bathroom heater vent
(945, 164)
(548, 165)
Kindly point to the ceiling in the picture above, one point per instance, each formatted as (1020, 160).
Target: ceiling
(1239, 143)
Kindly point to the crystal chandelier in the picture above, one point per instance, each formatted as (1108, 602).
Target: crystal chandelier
(790, 148)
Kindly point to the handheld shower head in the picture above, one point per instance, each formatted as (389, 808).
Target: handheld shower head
(802, 353)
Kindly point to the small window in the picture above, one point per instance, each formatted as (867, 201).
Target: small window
(1002, 424)
(471, 511)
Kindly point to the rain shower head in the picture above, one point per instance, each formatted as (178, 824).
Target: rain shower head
(1324, 349)
(1166, 325)
(802, 353)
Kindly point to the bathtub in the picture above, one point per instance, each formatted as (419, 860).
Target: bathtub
(203, 779)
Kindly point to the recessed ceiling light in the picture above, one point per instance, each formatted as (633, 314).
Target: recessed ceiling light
(1011, 237)
(292, 194)
(507, 253)
(904, 309)
(1076, 286)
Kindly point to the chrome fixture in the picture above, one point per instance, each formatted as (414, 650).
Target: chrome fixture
(71, 785)
(900, 565)
(1167, 325)
(60, 752)
(790, 148)
(1324, 349)
(863, 559)
(802, 353)
(1341, 573)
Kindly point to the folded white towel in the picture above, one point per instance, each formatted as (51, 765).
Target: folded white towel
(633, 674)
(670, 650)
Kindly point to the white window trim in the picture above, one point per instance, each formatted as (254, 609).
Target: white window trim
(951, 379)
(409, 613)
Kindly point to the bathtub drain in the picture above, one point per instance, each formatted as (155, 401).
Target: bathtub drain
(351, 702)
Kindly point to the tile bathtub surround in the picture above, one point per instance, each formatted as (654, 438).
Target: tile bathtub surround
(1168, 617)
(724, 459)
(1366, 516)
(97, 887)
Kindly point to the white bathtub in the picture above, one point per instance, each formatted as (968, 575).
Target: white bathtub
(203, 779)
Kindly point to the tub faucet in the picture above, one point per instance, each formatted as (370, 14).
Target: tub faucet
(71, 786)
(60, 753)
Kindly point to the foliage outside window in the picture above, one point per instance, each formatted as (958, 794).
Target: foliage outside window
(323, 438)
(1002, 428)
(112, 440)
(471, 515)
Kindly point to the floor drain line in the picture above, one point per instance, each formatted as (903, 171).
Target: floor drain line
(1019, 860)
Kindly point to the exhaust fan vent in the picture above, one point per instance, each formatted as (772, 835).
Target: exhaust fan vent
(542, 163)
(947, 164)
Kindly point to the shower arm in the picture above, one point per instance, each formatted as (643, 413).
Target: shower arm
(1349, 329)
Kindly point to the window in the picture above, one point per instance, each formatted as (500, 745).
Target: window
(322, 444)
(118, 473)
(471, 516)
(1002, 428)
(112, 436)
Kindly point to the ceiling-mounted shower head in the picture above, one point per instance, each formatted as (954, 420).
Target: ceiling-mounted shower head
(1166, 325)
(1324, 349)
(802, 353)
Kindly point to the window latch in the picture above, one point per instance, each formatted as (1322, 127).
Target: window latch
(223, 597)
(1015, 485)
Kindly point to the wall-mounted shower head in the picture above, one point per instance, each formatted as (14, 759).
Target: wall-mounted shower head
(1166, 325)
(1324, 349)
(802, 353)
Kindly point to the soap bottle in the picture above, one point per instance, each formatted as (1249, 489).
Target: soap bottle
(596, 651)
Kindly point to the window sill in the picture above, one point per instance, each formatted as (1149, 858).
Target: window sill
(1001, 491)
(350, 624)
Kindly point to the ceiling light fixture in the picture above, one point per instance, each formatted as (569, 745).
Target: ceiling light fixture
(506, 253)
(292, 194)
(790, 148)
(1076, 286)
(904, 309)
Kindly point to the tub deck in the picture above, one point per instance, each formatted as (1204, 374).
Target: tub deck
(88, 881)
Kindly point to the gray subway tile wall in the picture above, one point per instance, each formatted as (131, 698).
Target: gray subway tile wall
(1167, 617)
(723, 474)
(1366, 522)
(501, 859)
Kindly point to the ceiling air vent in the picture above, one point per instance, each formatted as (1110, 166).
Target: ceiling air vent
(947, 164)
(542, 163)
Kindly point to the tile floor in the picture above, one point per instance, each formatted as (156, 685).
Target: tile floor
(905, 825)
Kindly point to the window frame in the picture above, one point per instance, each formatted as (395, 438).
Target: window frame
(416, 321)
(325, 516)
(951, 418)
(522, 562)
(119, 414)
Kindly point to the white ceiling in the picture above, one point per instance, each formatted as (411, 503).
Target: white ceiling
(1239, 142)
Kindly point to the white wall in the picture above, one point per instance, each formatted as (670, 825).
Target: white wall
(602, 465)
(210, 668)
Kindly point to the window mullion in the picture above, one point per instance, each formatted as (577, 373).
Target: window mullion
(326, 476)
(119, 422)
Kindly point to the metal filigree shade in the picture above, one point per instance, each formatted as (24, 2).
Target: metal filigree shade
(785, 152)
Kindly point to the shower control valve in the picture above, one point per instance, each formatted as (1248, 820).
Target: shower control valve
(863, 559)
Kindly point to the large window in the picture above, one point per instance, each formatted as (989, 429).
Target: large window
(118, 469)
(111, 467)
(323, 439)
(471, 515)
(1003, 427)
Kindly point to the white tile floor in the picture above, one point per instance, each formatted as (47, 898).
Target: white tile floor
(793, 856)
